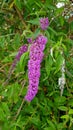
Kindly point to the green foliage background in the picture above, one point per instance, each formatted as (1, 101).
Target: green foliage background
(19, 20)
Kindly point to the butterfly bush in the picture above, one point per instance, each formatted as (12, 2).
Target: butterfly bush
(34, 64)
(44, 23)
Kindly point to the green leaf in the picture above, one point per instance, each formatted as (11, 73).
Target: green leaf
(2, 114)
(34, 21)
(36, 121)
(62, 108)
(65, 117)
(71, 111)
(5, 108)
(53, 31)
(48, 64)
(51, 124)
(2, 41)
(18, 4)
(13, 92)
(13, 54)
(36, 33)
(61, 20)
(71, 26)
(17, 39)
(47, 33)
(23, 61)
(60, 100)
(59, 62)
(48, 128)
(70, 102)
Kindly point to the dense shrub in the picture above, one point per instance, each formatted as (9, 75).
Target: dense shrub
(52, 107)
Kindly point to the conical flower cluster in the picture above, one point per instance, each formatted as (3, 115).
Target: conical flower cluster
(34, 64)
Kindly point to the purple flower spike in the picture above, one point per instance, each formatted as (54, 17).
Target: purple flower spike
(34, 64)
(44, 23)
(22, 50)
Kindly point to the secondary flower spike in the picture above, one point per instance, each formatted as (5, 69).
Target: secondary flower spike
(34, 64)
(44, 23)
(22, 50)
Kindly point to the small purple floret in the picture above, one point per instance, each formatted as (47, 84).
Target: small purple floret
(29, 40)
(44, 23)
